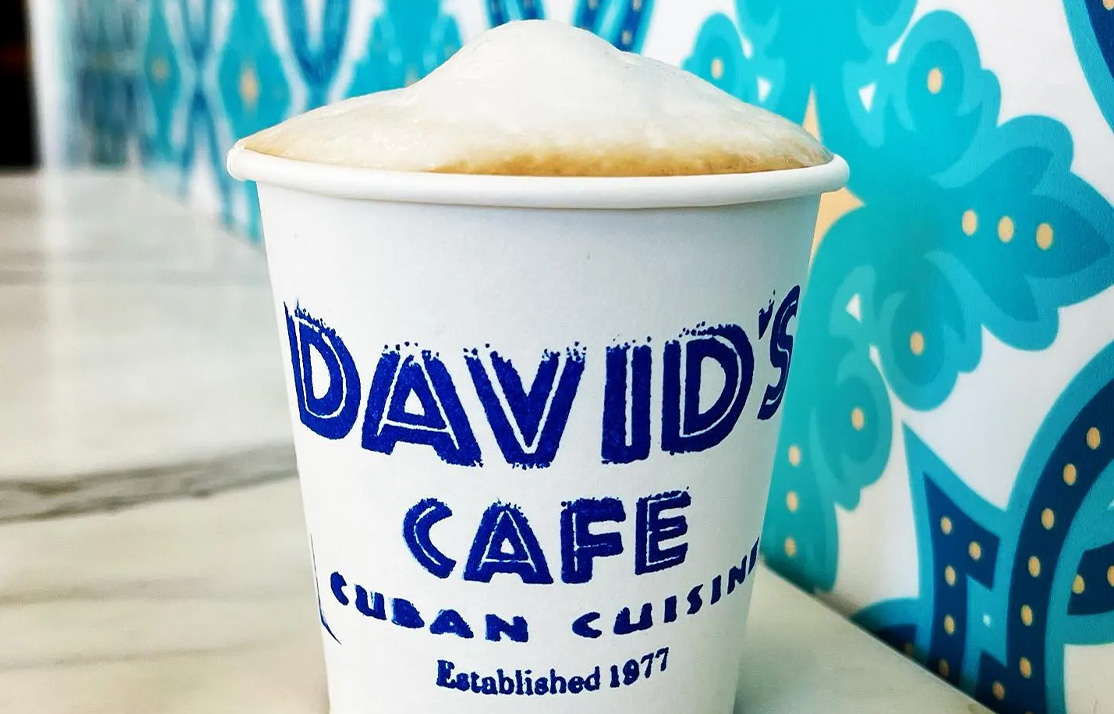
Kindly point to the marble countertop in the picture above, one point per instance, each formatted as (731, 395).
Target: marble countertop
(152, 554)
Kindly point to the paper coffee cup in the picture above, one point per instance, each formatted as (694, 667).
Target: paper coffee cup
(535, 420)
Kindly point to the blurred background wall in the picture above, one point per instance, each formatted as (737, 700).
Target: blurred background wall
(945, 474)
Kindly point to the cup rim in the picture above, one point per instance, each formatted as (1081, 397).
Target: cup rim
(535, 191)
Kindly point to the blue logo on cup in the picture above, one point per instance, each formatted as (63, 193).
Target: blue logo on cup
(414, 399)
(410, 398)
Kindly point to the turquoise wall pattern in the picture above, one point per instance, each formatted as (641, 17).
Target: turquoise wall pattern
(946, 465)
(102, 43)
(1092, 27)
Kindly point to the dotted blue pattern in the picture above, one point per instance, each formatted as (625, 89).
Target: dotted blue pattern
(970, 551)
(1005, 236)
(1097, 568)
(1003, 592)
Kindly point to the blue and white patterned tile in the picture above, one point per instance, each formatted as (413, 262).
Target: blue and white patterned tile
(623, 23)
(254, 89)
(162, 83)
(317, 32)
(103, 38)
(203, 130)
(971, 236)
(503, 11)
(408, 40)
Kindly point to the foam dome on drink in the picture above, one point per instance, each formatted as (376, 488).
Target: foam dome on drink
(542, 98)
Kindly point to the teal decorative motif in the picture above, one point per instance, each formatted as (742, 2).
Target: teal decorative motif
(502, 11)
(966, 225)
(835, 48)
(253, 87)
(318, 61)
(838, 47)
(104, 50)
(409, 39)
(1041, 571)
(718, 57)
(1092, 28)
(1004, 235)
(163, 80)
(201, 128)
(623, 23)
(831, 447)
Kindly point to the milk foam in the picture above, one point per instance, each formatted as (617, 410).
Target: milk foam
(544, 98)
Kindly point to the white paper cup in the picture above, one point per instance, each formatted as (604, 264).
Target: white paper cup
(535, 421)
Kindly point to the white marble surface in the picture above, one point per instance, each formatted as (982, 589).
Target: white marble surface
(135, 335)
(152, 557)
